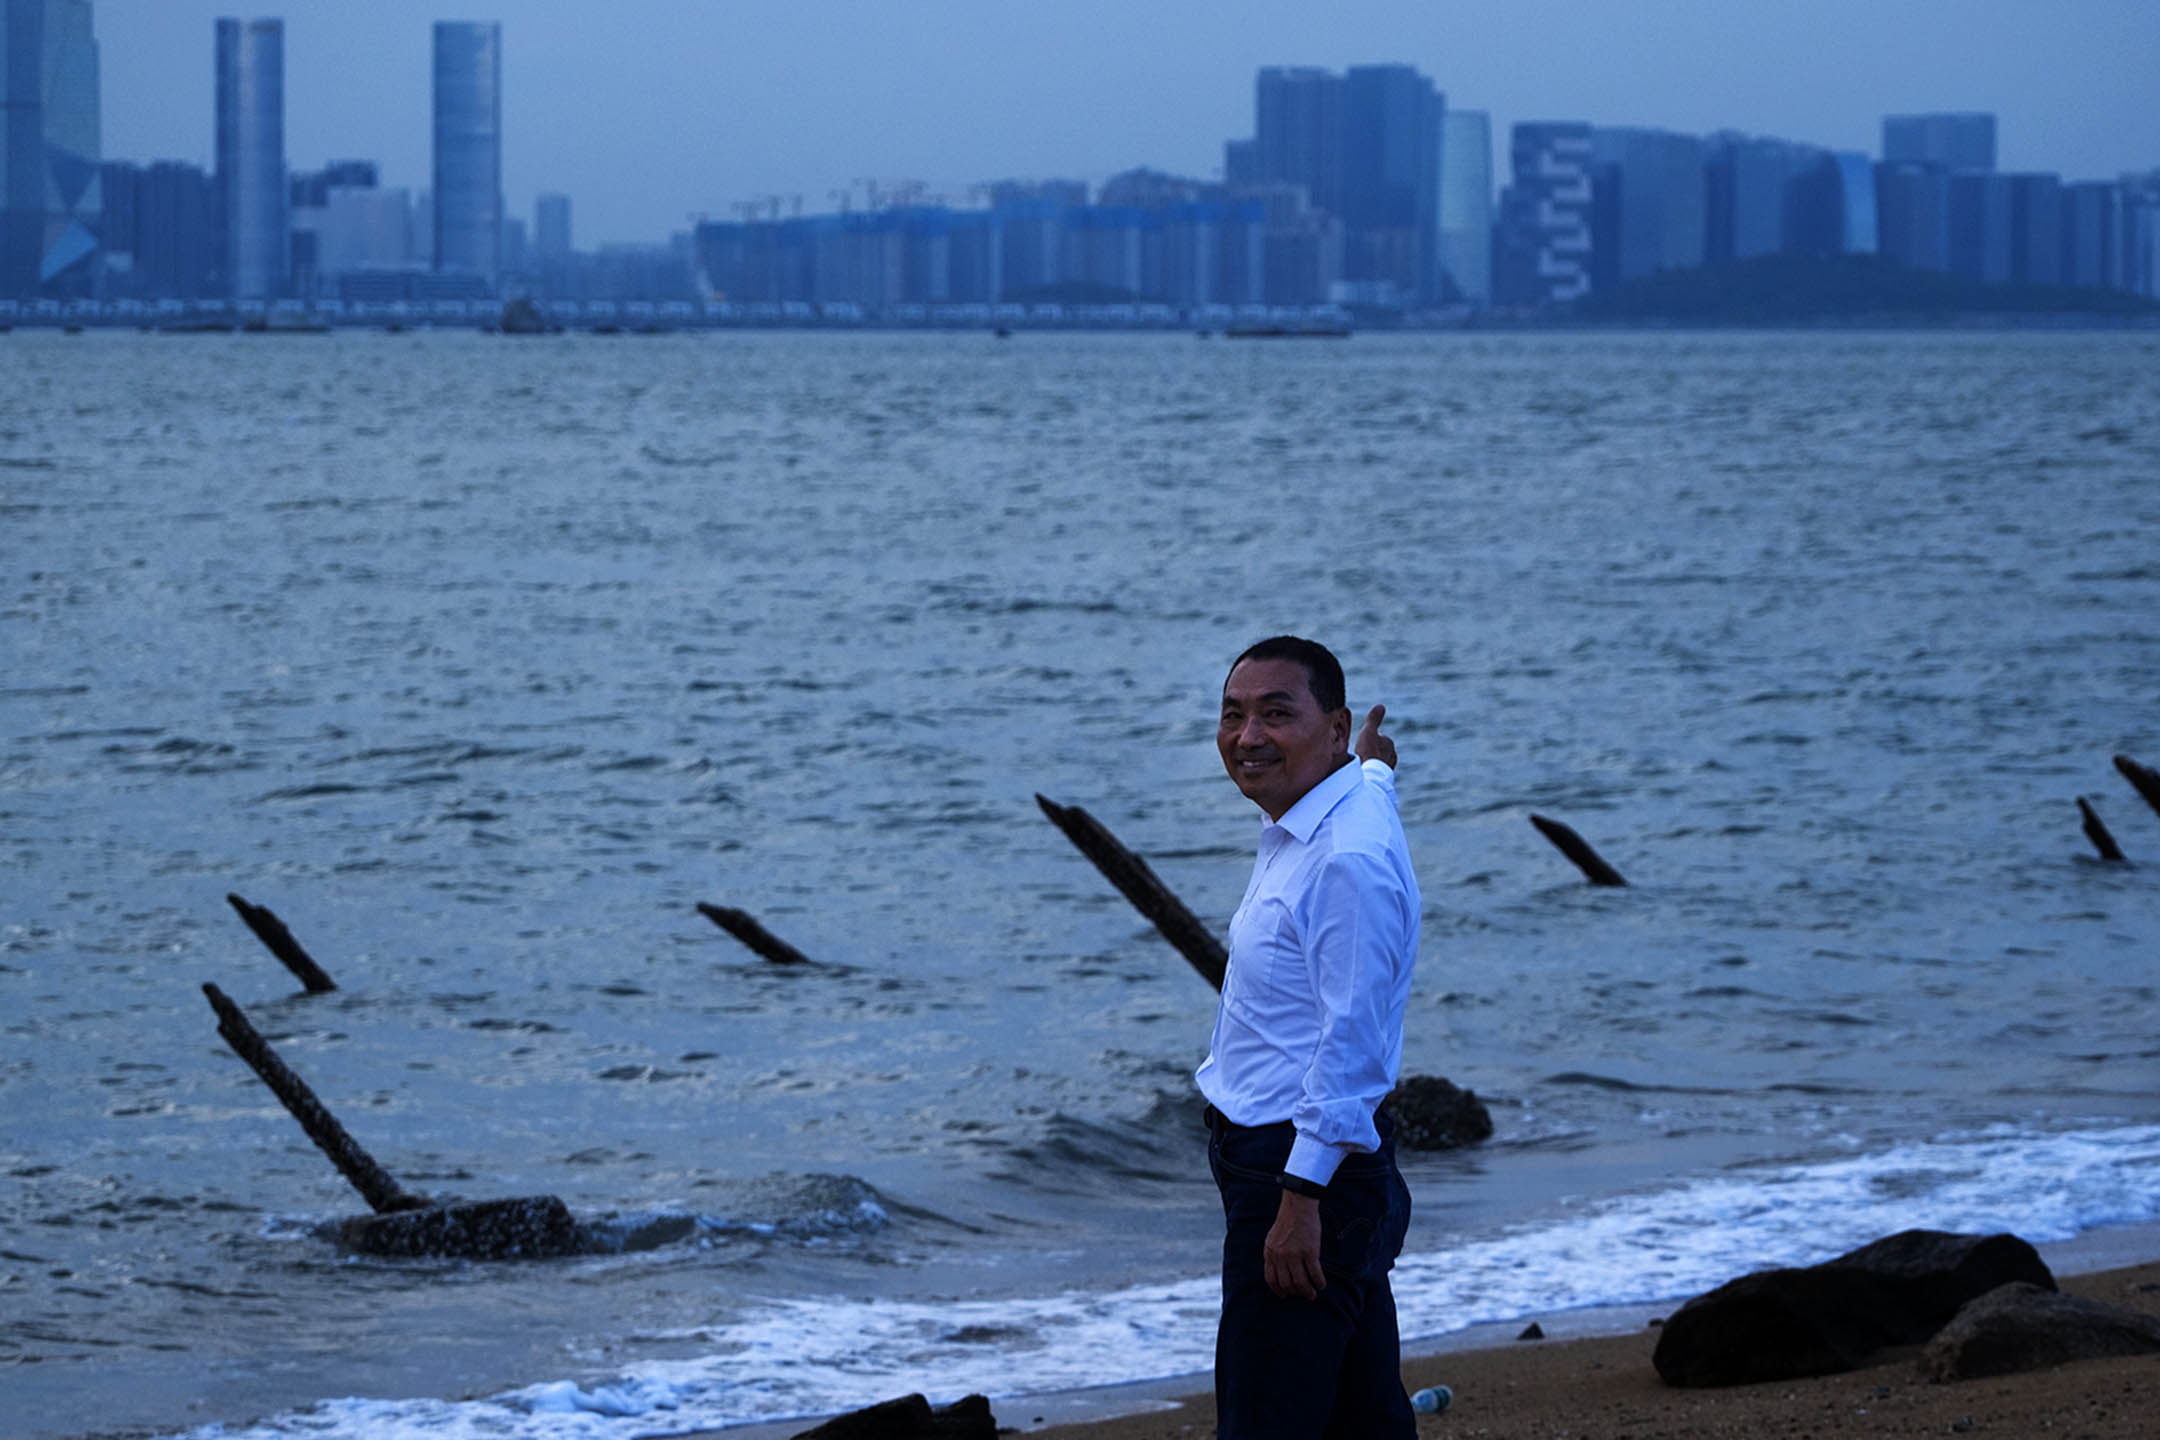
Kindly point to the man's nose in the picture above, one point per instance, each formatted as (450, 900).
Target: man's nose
(1252, 733)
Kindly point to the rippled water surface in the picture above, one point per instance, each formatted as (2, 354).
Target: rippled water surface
(482, 661)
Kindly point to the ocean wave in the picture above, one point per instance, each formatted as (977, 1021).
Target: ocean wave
(809, 1355)
(799, 1208)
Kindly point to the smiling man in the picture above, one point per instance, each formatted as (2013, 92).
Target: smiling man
(1308, 1040)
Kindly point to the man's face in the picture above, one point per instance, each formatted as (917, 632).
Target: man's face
(1276, 741)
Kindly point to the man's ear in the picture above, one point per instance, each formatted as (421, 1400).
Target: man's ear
(1339, 724)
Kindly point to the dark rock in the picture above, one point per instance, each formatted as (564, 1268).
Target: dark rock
(1532, 1331)
(908, 1417)
(2021, 1327)
(1784, 1324)
(533, 1227)
(1432, 1113)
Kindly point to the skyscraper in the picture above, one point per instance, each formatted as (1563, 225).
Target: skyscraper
(50, 190)
(1955, 141)
(551, 243)
(1651, 200)
(1466, 207)
(1390, 178)
(551, 227)
(1830, 205)
(468, 147)
(1298, 128)
(1748, 184)
(251, 155)
(1542, 250)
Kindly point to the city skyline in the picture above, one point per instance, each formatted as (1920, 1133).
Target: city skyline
(662, 113)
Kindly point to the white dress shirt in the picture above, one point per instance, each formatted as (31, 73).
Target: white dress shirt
(1321, 949)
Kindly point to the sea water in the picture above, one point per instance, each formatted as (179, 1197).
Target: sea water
(483, 661)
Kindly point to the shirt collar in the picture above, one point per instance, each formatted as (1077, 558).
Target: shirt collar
(1303, 818)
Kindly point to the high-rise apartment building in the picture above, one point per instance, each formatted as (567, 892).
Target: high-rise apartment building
(1962, 140)
(50, 184)
(2138, 247)
(176, 251)
(2036, 218)
(516, 246)
(1543, 248)
(1912, 212)
(2091, 233)
(309, 265)
(159, 233)
(468, 204)
(1980, 226)
(1466, 208)
(251, 155)
(365, 227)
(1937, 205)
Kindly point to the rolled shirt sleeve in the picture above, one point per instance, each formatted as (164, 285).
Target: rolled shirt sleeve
(1358, 939)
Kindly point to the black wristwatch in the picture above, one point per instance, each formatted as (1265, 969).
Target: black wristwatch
(1299, 1185)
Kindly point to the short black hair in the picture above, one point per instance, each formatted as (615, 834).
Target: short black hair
(1323, 672)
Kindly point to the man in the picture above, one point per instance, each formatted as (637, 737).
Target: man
(1308, 1040)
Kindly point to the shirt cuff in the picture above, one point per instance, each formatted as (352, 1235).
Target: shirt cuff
(1314, 1160)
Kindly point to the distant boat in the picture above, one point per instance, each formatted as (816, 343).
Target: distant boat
(284, 323)
(1316, 330)
(522, 317)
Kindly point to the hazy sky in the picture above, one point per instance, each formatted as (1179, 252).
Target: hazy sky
(644, 111)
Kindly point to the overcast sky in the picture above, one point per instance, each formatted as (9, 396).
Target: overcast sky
(646, 111)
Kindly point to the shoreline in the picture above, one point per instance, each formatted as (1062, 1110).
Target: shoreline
(1598, 1358)
(1605, 1387)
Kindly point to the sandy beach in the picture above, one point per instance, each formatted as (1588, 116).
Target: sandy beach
(1603, 1388)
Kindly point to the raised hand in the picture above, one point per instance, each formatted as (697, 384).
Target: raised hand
(1371, 744)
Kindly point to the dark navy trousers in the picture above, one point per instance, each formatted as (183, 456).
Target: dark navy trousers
(1329, 1368)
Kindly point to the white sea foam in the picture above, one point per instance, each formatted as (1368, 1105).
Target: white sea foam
(808, 1356)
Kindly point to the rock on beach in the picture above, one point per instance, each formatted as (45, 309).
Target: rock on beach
(1821, 1319)
(2019, 1327)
